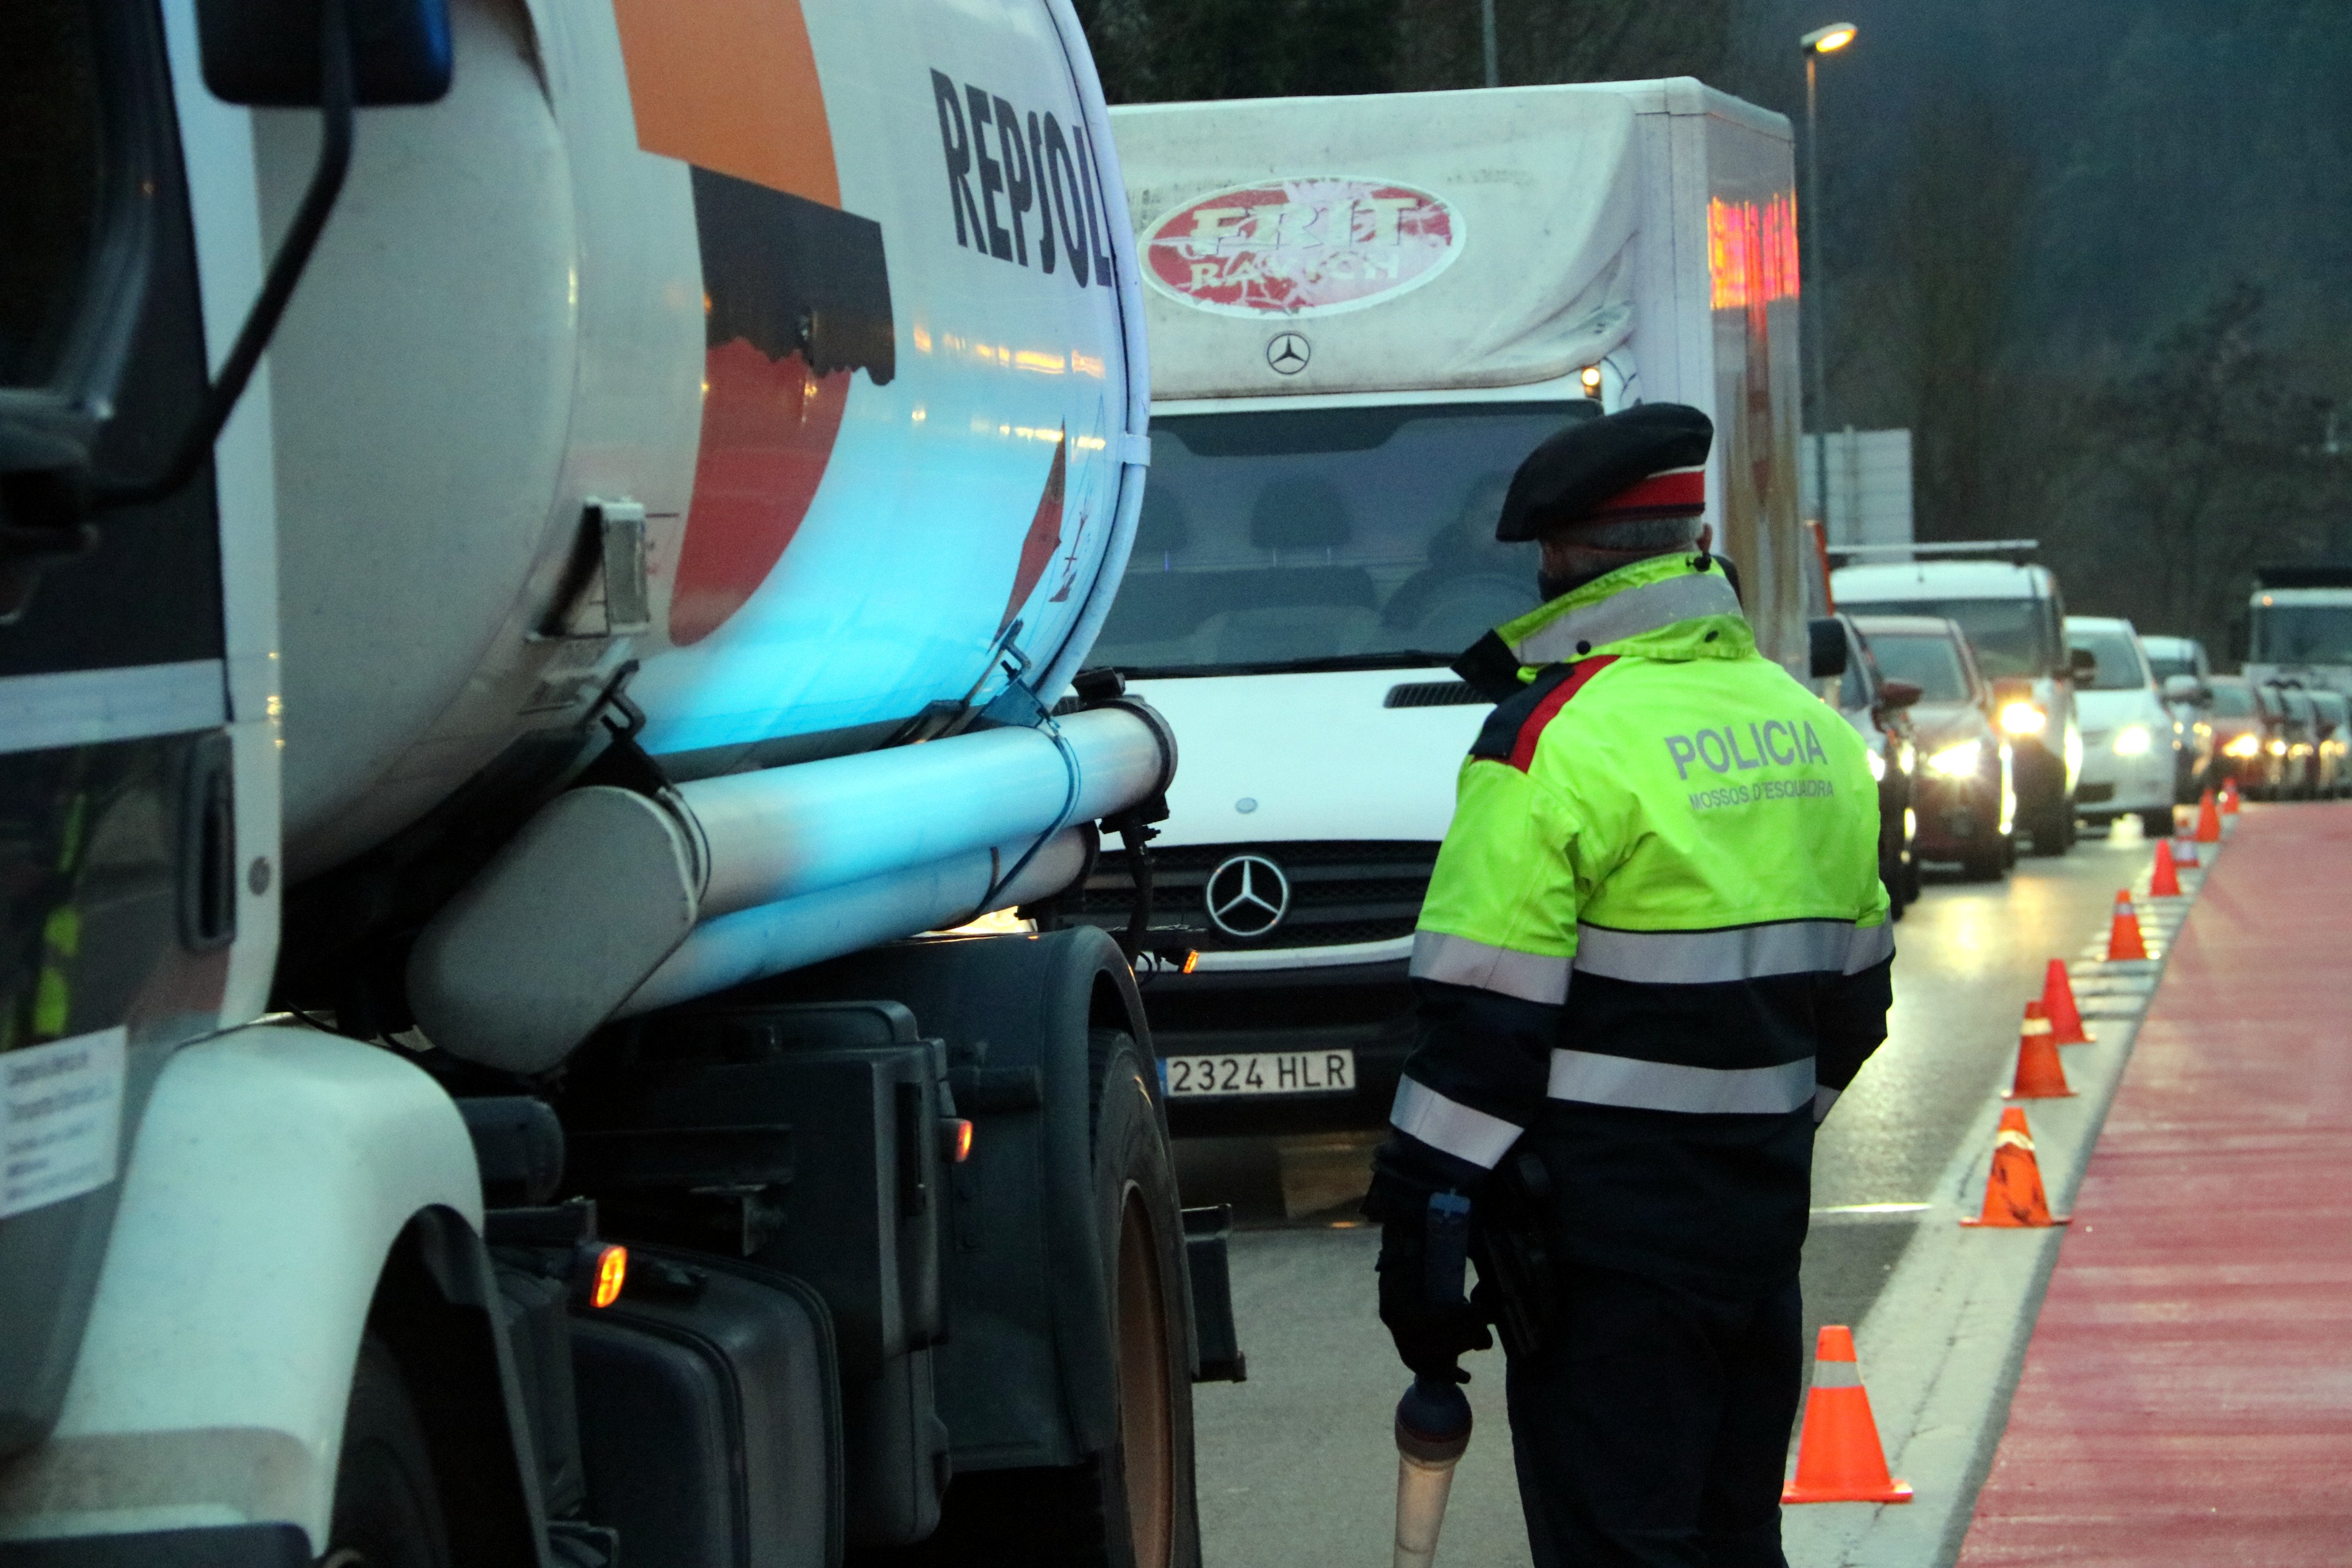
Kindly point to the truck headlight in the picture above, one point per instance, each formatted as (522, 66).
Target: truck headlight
(2132, 740)
(2023, 718)
(2244, 745)
(1958, 761)
(2278, 748)
(1877, 766)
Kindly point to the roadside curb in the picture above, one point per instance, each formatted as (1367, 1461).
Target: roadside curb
(1942, 1347)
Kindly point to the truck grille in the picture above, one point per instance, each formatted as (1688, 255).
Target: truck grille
(1433, 694)
(1341, 891)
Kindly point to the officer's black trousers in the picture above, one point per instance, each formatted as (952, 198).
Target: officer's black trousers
(1654, 1428)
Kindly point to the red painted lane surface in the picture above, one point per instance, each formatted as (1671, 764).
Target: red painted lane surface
(2188, 1394)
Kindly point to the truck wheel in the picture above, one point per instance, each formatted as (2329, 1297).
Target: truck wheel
(1987, 861)
(387, 1507)
(1143, 1247)
(2155, 825)
(1132, 1505)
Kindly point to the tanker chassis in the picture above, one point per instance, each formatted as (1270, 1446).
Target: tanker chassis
(474, 779)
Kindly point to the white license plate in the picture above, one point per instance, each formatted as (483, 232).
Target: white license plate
(1258, 1072)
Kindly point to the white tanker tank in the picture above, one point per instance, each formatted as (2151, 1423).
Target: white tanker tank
(460, 817)
(762, 377)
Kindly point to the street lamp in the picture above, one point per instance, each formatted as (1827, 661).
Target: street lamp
(1821, 41)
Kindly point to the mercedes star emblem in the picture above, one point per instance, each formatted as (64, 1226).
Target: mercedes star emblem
(1287, 353)
(1247, 896)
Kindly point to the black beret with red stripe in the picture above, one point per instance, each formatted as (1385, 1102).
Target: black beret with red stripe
(1649, 460)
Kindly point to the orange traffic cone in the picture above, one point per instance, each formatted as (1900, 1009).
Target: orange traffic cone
(2013, 1195)
(2038, 1074)
(2184, 852)
(2209, 816)
(2123, 939)
(2058, 1006)
(2164, 882)
(1839, 1458)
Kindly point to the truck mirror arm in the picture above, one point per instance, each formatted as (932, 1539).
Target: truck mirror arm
(286, 269)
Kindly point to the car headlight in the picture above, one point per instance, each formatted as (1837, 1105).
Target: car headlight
(1877, 766)
(2278, 748)
(2244, 745)
(2132, 740)
(2023, 718)
(1958, 761)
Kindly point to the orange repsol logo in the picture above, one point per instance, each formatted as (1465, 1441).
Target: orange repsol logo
(1022, 186)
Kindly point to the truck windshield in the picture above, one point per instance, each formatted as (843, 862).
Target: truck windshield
(2231, 702)
(1327, 538)
(52, 179)
(2011, 637)
(2303, 634)
(2165, 667)
(1934, 663)
(2119, 665)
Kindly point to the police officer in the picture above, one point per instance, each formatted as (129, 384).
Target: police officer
(1654, 949)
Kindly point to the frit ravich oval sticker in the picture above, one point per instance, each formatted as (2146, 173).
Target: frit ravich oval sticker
(1309, 247)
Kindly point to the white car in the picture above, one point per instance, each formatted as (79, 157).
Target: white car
(2127, 768)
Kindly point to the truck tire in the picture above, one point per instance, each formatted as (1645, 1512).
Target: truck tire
(2155, 825)
(1130, 1506)
(2053, 828)
(387, 1505)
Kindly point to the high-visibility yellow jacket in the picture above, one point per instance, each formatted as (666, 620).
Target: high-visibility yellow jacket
(1656, 945)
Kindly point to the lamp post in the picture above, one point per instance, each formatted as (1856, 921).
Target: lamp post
(1821, 41)
(1486, 41)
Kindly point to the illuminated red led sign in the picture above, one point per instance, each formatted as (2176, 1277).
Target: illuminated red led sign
(1751, 251)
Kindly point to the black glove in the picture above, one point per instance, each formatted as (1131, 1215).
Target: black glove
(1430, 1336)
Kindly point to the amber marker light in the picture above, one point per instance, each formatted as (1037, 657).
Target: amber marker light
(1591, 379)
(960, 1139)
(1828, 40)
(1191, 962)
(611, 1274)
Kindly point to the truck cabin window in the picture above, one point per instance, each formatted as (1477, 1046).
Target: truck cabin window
(1932, 662)
(1325, 538)
(2119, 665)
(51, 180)
(2011, 637)
(2303, 634)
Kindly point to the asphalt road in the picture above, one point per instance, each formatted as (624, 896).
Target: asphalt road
(1296, 1467)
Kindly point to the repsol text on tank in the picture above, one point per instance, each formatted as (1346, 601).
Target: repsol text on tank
(1031, 165)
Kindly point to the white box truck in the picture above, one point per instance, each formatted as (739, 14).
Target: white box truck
(1363, 313)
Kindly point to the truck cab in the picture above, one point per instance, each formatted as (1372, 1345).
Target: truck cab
(2300, 627)
(1346, 371)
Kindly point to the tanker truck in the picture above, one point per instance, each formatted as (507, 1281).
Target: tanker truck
(542, 548)
(1363, 313)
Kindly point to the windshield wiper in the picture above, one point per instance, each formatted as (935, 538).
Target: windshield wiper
(1401, 658)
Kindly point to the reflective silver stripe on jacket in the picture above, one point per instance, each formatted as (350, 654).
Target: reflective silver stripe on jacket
(1458, 960)
(1595, 1079)
(1421, 1112)
(1628, 615)
(1736, 953)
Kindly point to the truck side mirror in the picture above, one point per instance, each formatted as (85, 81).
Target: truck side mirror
(1826, 646)
(2186, 688)
(2082, 664)
(265, 53)
(1895, 694)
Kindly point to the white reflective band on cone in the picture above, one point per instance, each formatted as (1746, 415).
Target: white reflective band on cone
(1595, 1079)
(1458, 960)
(1450, 1127)
(1629, 615)
(1734, 953)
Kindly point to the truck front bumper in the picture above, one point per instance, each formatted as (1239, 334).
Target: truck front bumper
(1365, 1008)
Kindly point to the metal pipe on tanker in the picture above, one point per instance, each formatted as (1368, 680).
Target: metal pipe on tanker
(783, 833)
(753, 943)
